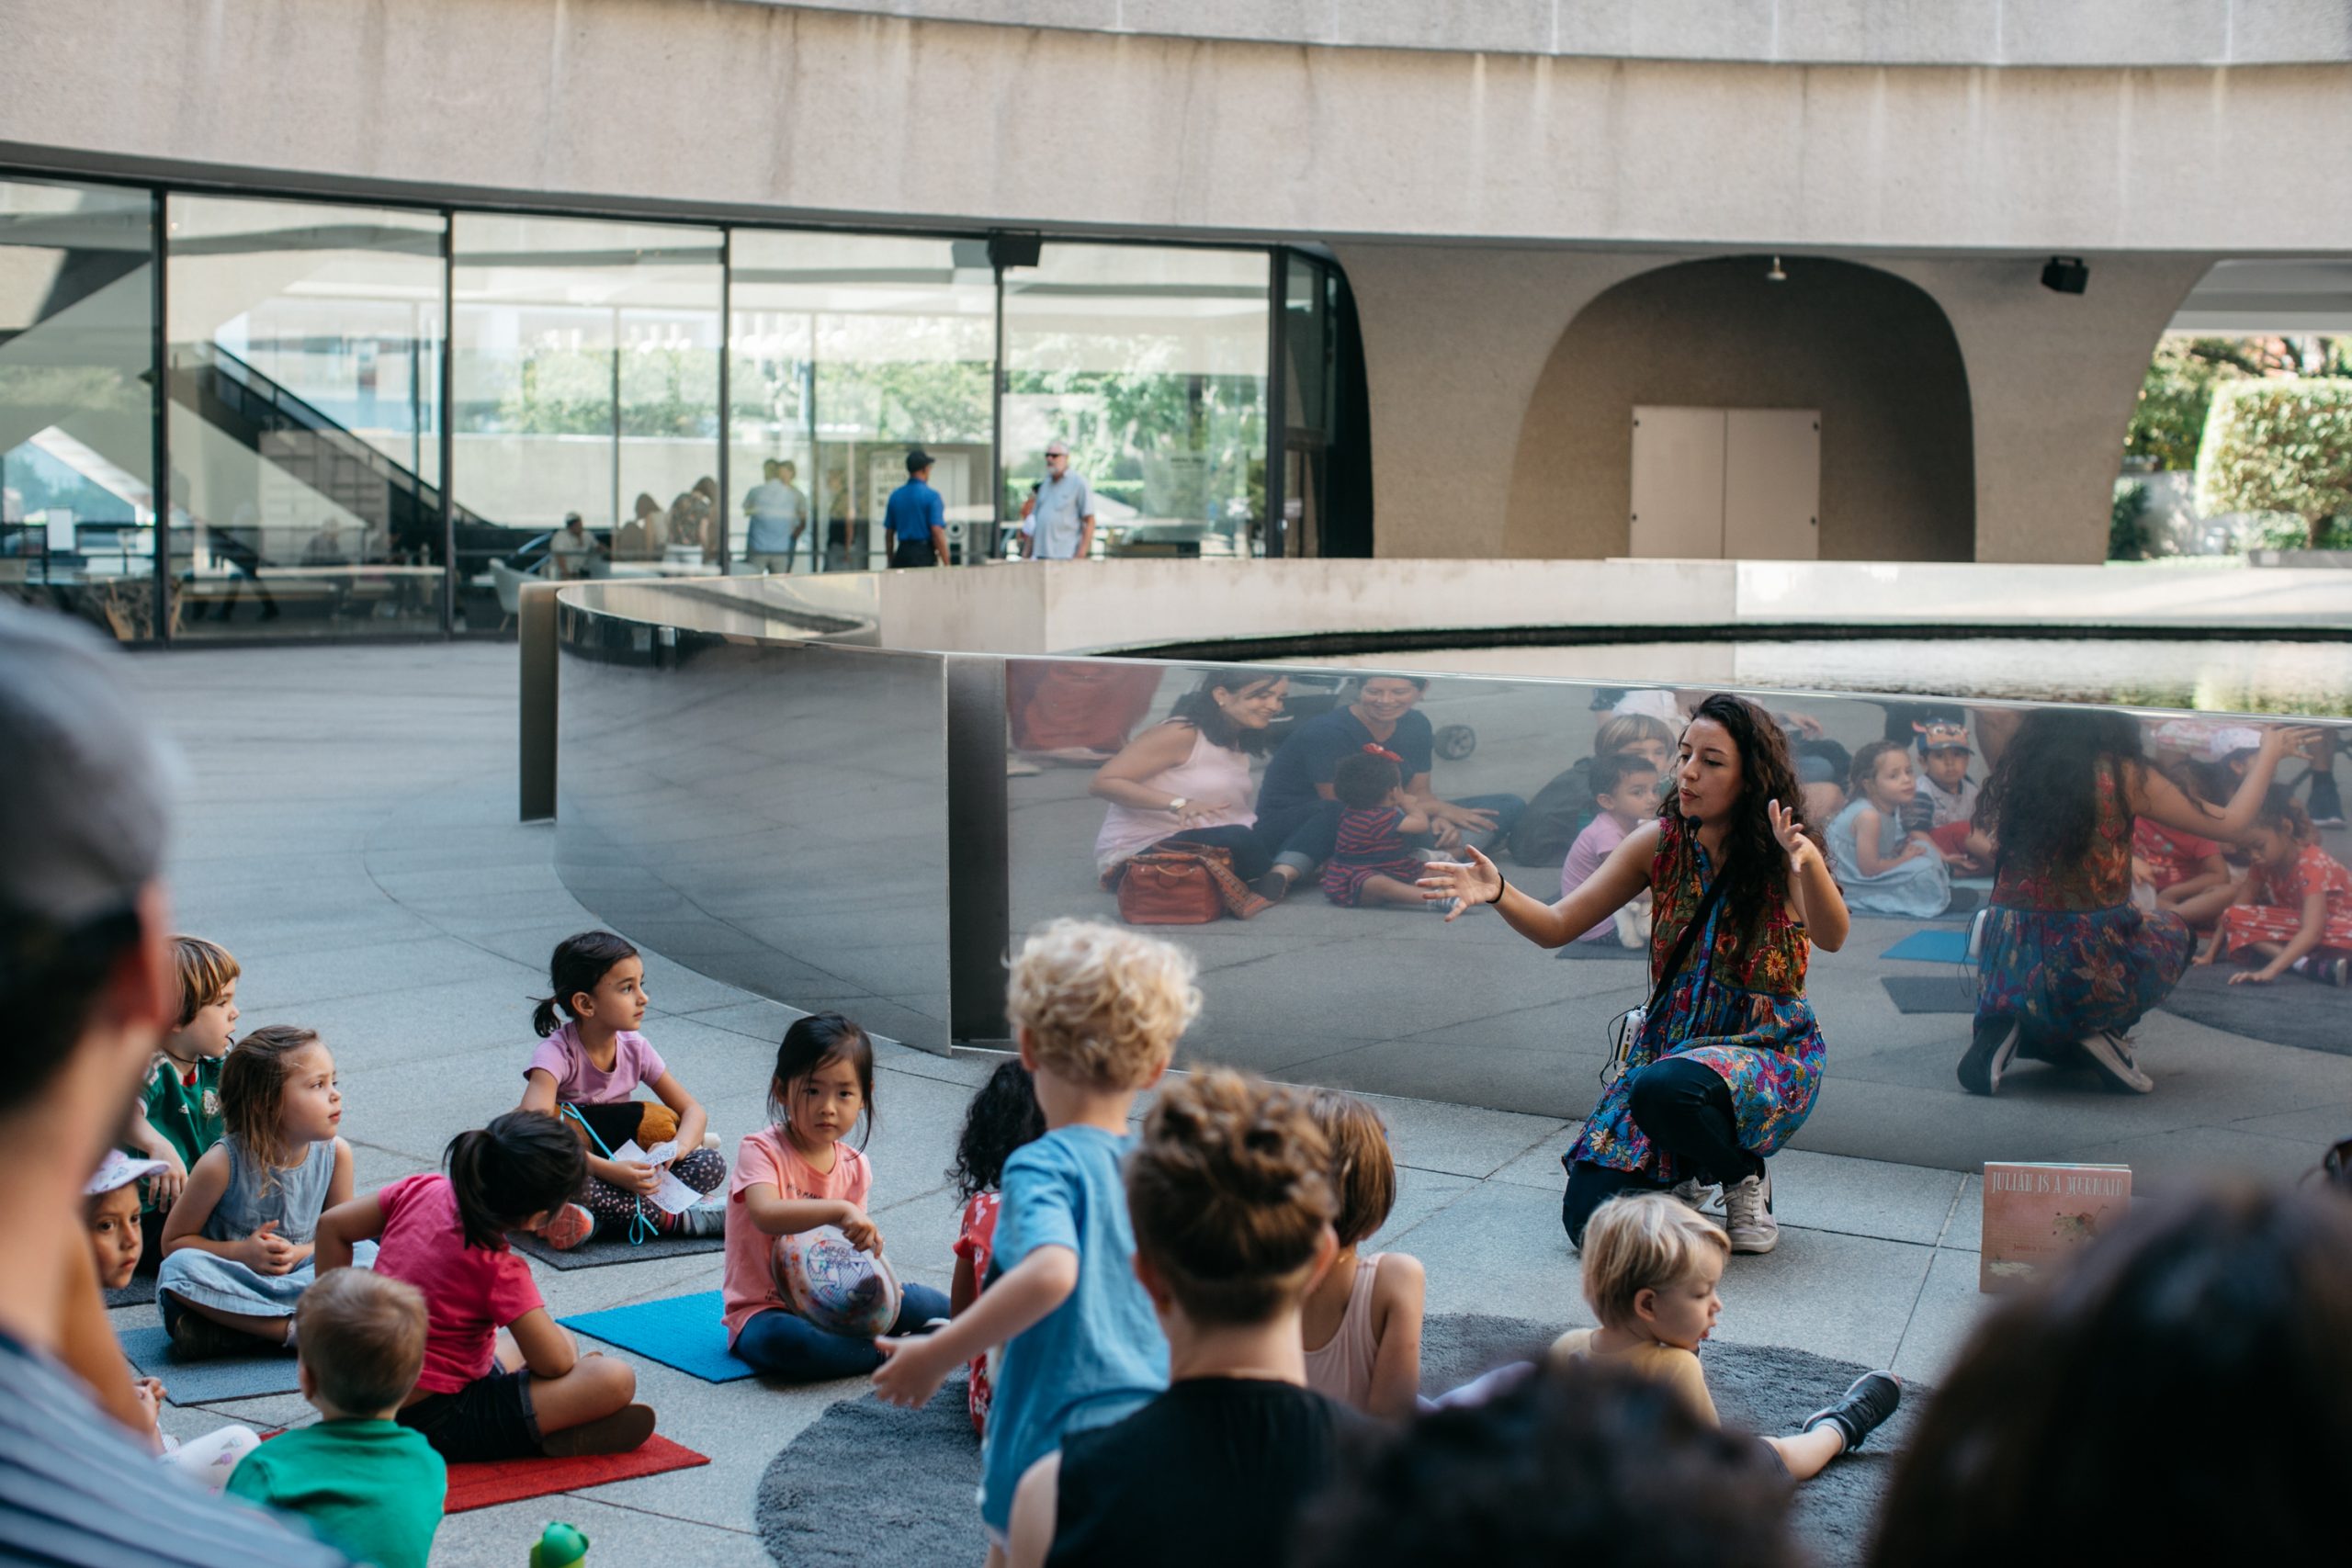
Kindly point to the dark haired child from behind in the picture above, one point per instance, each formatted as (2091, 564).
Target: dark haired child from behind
(586, 1071)
(794, 1176)
(1375, 863)
(366, 1485)
(1004, 1116)
(501, 1380)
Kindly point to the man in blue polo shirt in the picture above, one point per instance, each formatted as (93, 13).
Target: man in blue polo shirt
(916, 517)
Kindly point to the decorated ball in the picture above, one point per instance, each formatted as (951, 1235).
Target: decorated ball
(835, 1286)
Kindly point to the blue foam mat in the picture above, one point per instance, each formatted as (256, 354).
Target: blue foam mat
(684, 1332)
(1931, 947)
(217, 1378)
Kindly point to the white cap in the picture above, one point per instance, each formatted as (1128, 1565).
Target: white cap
(119, 1170)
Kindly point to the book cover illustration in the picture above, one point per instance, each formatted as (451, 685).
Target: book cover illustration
(2036, 1215)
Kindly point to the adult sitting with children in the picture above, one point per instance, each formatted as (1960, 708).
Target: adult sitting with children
(1727, 1059)
(1298, 801)
(1186, 779)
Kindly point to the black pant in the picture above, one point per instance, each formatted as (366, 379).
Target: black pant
(913, 552)
(1684, 1109)
(1251, 859)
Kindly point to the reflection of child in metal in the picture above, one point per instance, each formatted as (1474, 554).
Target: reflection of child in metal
(2182, 871)
(1882, 870)
(2293, 906)
(1375, 863)
(1004, 1116)
(1624, 788)
(1945, 800)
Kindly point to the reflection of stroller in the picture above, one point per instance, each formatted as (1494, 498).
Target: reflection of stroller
(1313, 694)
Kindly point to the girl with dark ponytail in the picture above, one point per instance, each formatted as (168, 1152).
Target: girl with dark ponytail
(589, 1065)
(501, 1380)
(1722, 1066)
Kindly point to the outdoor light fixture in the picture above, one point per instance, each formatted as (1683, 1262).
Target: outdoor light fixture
(2067, 275)
(1777, 273)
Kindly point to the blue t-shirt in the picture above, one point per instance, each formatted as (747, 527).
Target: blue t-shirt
(1314, 750)
(1099, 1357)
(913, 511)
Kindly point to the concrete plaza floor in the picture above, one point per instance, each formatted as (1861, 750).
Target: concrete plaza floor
(348, 832)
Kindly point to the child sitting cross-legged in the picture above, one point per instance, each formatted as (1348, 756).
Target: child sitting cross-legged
(1375, 863)
(1882, 869)
(366, 1485)
(1097, 1012)
(587, 1071)
(796, 1175)
(1362, 1319)
(110, 1211)
(1625, 791)
(178, 1118)
(1651, 1266)
(2292, 909)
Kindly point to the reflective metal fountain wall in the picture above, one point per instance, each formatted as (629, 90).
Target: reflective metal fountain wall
(746, 789)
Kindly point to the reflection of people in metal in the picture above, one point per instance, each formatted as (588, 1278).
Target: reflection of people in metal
(1187, 778)
(1058, 520)
(2293, 906)
(1076, 711)
(917, 517)
(1725, 1062)
(1296, 798)
(2069, 962)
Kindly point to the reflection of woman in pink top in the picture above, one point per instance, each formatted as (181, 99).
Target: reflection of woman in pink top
(1188, 777)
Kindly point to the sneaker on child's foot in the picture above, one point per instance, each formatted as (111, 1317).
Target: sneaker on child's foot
(1865, 1408)
(705, 1218)
(196, 1338)
(2111, 1055)
(623, 1431)
(1748, 1214)
(572, 1225)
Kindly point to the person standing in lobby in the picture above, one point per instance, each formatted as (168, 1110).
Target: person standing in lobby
(917, 517)
(1060, 521)
(777, 514)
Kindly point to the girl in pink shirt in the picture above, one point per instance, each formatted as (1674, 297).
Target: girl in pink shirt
(587, 1071)
(797, 1175)
(501, 1380)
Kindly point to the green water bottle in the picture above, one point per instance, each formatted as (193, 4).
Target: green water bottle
(560, 1546)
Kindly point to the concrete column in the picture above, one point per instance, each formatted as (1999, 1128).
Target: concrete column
(2053, 378)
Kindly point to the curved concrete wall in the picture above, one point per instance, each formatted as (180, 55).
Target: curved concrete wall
(732, 107)
(1861, 32)
(1870, 351)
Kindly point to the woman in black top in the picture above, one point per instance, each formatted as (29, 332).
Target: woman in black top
(1232, 1208)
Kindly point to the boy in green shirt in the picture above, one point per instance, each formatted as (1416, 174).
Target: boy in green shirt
(178, 1114)
(366, 1486)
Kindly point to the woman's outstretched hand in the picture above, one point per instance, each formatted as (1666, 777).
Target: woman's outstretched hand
(1467, 883)
(2291, 741)
(1792, 838)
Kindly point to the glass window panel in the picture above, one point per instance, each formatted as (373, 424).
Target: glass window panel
(1151, 363)
(586, 381)
(849, 350)
(77, 504)
(304, 343)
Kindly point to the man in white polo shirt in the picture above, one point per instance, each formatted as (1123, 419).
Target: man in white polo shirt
(1060, 520)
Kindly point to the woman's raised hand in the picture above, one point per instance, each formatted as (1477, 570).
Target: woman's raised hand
(2291, 741)
(1792, 837)
(1467, 883)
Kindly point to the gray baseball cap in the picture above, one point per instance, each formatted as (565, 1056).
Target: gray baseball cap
(88, 790)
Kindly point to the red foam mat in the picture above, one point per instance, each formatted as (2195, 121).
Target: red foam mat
(512, 1480)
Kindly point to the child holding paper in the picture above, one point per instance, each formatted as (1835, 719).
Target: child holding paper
(647, 1164)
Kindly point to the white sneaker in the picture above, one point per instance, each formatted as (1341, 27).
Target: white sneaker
(1748, 1214)
(1691, 1194)
(2111, 1055)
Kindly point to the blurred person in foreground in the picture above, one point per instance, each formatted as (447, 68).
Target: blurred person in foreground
(87, 983)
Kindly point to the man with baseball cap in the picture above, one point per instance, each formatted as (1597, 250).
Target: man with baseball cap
(88, 989)
(917, 517)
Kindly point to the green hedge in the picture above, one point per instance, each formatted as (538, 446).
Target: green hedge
(2279, 445)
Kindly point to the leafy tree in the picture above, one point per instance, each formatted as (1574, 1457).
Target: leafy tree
(2279, 445)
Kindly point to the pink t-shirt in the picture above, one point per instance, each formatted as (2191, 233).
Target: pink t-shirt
(768, 1156)
(470, 1292)
(578, 1080)
(1600, 838)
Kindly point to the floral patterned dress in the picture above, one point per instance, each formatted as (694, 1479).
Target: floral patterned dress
(2274, 910)
(2066, 952)
(1745, 1017)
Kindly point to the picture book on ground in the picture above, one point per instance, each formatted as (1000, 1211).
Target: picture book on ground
(2036, 1215)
